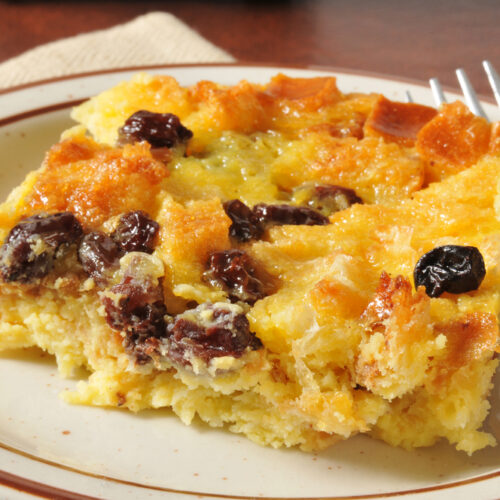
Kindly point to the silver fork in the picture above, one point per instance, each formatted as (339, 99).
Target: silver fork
(470, 95)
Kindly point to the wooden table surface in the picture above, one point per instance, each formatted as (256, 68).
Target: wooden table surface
(413, 38)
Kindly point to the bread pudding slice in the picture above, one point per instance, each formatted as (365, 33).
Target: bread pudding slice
(297, 264)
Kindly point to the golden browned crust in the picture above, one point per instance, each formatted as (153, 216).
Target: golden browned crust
(96, 182)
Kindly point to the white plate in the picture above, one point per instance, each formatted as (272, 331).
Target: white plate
(60, 451)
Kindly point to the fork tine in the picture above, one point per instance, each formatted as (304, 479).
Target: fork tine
(470, 94)
(493, 78)
(437, 92)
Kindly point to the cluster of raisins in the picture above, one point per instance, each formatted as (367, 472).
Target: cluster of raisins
(32, 246)
(99, 252)
(234, 270)
(317, 204)
(161, 130)
(136, 307)
(248, 224)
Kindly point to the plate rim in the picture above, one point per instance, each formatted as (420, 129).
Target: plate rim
(32, 486)
(238, 64)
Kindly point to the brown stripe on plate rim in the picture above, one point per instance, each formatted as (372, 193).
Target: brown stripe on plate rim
(19, 482)
(40, 111)
(42, 490)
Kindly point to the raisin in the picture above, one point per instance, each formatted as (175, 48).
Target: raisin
(450, 268)
(329, 198)
(245, 226)
(236, 272)
(159, 129)
(135, 306)
(209, 331)
(31, 247)
(268, 215)
(98, 253)
(136, 232)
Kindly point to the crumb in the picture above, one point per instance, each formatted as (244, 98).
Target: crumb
(121, 399)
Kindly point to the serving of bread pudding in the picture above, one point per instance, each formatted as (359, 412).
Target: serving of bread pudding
(297, 264)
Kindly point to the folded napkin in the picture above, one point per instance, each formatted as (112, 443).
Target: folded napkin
(155, 38)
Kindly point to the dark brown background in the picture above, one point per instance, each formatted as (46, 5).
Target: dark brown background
(410, 38)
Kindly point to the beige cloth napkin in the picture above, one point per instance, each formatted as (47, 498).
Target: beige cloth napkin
(155, 38)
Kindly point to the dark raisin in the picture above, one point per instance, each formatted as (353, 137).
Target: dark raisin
(209, 331)
(236, 272)
(245, 225)
(329, 199)
(268, 215)
(136, 232)
(450, 268)
(136, 307)
(98, 253)
(32, 245)
(159, 129)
